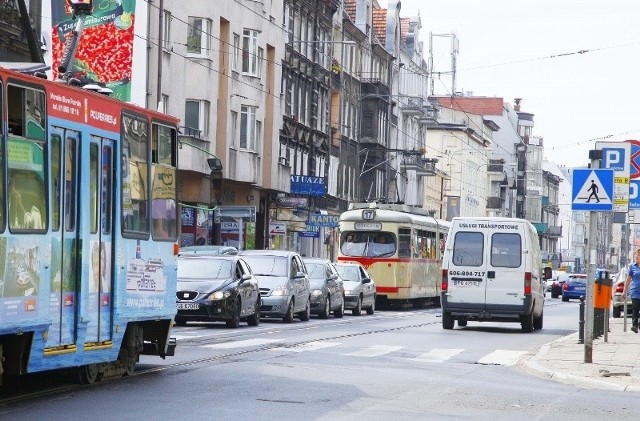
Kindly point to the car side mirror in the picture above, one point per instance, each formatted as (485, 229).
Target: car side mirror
(300, 275)
(366, 280)
(333, 277)
(245, 277)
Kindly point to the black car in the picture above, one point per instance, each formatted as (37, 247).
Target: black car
(216, 288)
(327, 290)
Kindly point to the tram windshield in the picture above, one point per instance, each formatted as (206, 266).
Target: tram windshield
(368, 244)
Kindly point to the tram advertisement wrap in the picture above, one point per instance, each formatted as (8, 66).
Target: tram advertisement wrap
(105, 50)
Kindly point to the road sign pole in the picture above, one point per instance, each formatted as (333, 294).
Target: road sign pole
(591, 273)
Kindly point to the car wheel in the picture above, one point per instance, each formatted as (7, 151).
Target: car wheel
(447, 321)
(554, 295)
(537, 321)
(527, 322)
(254, 319)
(306, 314)
(288, 318)
(617, 312)
(565, 299)
(462, 322)
(339, 312)
(357, 310)
(372, 308)
(324, 314)
(234, 321)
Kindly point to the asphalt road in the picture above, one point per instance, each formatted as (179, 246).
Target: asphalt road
(391, 365)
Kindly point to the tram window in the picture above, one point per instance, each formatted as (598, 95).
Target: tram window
(506, 250)
(163, 190)
(107, 189)
(135, 203)
(56, 141)
(93, 187)
(404, 242)
(26, 112)
(468, 248)
(70, 181)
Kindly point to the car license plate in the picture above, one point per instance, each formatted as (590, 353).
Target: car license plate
(466, 283)
(187, 306)
(580, 289)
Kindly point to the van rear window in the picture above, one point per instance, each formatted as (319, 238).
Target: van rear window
(468, 248)
(506, 250)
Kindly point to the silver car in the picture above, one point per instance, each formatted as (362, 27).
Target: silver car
(359, 288)
(283, 281)
(327, 288)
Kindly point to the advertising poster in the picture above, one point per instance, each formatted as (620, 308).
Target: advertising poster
(105, 51)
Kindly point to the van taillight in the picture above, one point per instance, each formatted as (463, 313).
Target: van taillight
(445, 280)
(527, 283)
(620, 287)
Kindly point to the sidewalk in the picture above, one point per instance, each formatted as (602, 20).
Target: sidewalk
(615, 366)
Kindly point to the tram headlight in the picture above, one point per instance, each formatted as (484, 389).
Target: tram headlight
(219, 295)
(316, 293)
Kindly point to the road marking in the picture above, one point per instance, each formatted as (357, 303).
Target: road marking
(375, 351)
(309, 346)
(438, 355)
(242, 344)
(502, 357)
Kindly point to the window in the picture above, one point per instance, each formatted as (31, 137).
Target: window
(163, 190)
(235, 53)
(93, 186)
(468, 248)
(506, 250)
(234, 130)
(260, 61)
(198, 36)
(196, 118)
(166, 30)
(165, 104)
(250, 52)
(135, 201)
(248, 127)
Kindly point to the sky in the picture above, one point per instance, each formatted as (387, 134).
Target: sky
(574, 63)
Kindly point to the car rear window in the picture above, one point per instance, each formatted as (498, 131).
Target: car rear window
(316, 270)
(348, 273)
(506, 250)
(468, 248)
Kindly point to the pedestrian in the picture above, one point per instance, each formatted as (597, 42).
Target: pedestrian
(632, 288)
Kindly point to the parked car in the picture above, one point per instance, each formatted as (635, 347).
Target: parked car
(211, 250)
(617, 301)
(327, 288)
(556, 284)
(284, 283)
(359, 287)
(575, 286)
(216, 288)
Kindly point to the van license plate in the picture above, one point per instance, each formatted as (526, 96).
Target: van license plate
(466, 283)
(187, 306)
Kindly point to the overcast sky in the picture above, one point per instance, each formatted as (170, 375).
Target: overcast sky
(505, 49)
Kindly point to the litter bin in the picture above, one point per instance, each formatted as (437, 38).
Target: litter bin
(601, 302)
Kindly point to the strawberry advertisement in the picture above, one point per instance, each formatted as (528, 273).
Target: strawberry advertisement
(105, 50)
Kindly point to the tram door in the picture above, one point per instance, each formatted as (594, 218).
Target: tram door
(100, 239)
(64, 200)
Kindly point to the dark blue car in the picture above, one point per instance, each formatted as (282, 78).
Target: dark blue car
(575, 286)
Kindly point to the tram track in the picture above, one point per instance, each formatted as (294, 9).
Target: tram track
(44, 389)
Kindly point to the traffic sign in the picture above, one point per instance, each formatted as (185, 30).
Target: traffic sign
(635, 158)
(617, 157)
(592, 190)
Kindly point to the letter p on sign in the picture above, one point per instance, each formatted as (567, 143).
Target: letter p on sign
(613, 158)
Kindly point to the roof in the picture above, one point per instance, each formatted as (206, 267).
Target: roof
(478, 105)
(281, 253)
(380, 25)
(350, 9)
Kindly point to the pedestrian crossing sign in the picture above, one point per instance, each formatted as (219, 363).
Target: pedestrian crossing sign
(592, 190)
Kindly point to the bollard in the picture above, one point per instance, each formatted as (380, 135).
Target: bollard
(581, 321)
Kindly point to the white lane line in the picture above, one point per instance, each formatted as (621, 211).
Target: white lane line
(502, 357)
(438, 355)
(242, 344)
(375, 351)
(309, 346)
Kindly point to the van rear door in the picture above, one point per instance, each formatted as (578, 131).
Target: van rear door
(468, 267)
(505, 266)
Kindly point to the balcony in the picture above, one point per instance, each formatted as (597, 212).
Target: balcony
(412, 106)
(494, 202)
(554, 231)
(244, 166)
(192, 155)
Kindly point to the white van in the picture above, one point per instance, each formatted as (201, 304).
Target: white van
(492, 271)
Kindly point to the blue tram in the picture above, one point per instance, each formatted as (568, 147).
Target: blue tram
(88, 226)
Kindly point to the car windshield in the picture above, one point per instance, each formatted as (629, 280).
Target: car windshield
(267, 265)
(195, 269)
(316, 270)
(348, 273)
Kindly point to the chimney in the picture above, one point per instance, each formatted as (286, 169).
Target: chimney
(517, 102)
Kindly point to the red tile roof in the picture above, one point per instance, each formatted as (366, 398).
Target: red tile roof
(404, 27)
(380, 25)
(478, 105)
(350, 9)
